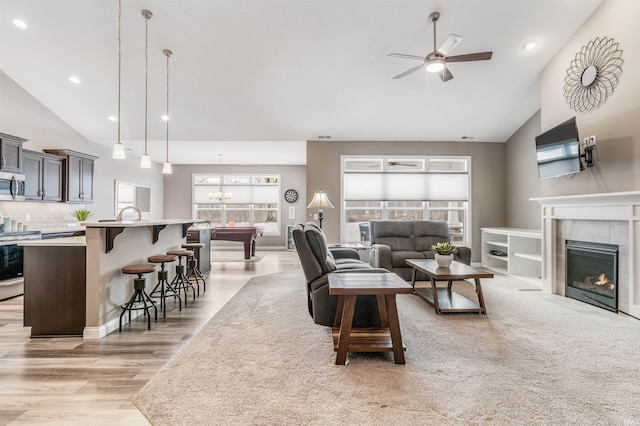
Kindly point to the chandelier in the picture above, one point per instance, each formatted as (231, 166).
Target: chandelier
(220, 195)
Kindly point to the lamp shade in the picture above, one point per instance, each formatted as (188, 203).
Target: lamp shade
(320, 201)
(118, 151)
(145, 161)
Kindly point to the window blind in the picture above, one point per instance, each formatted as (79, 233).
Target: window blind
(406, 186)
(241, 194)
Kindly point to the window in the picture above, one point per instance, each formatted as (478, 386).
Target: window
(405, 188)
(238, 200)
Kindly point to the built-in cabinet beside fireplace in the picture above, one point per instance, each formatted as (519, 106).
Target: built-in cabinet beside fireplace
(606, 220)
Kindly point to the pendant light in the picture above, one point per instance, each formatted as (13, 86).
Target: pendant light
(145, 160)
(118, 147)
(166, 169)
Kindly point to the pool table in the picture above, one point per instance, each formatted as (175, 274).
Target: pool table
(244, 234)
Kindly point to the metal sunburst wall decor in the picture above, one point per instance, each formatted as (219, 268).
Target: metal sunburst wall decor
(593, 74)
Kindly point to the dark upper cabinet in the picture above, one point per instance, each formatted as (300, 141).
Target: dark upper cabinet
(43, 176)
(78, 171)
(11, 153)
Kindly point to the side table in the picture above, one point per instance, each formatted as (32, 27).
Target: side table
(387, 338)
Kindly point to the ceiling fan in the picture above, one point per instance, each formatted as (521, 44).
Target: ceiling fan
(396, 164)
(436, 61)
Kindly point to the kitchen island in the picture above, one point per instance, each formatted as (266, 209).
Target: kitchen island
(108, 247)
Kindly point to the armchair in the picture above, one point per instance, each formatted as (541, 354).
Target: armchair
(318, 261)
(394, 241)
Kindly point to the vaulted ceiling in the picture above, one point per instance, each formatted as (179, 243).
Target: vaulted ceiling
(255, 79)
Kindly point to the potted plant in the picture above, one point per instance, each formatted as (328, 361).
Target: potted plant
(444, 253)
(81, 215)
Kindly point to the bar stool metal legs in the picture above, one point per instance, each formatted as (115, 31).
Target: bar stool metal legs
(180, 281)
(193, 272)
(140, 300)
(163, 288)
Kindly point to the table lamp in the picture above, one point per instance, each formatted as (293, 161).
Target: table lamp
(320, 201)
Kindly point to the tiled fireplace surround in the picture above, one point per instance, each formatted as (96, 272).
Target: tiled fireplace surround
(609, 218)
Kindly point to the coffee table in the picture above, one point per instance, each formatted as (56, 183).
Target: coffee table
(387, 338)
(445, 300)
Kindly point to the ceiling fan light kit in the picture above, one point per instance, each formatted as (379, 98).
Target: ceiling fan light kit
(436, 61)
(435, 65)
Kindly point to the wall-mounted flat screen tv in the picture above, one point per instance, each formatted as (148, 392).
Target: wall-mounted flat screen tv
(558, 151)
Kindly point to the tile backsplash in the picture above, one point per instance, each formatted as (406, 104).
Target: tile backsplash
(39, 216)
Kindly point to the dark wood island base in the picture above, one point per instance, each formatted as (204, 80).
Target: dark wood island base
(54, 290)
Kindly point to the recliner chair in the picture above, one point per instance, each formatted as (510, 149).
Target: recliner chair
(318, 261)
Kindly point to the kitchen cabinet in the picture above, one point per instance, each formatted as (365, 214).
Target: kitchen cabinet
(43, 176)
(78, 173)
(11, 153)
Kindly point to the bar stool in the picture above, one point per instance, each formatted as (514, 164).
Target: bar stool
(139, 295)
(159, 291)
(180, 281)
(193, 270)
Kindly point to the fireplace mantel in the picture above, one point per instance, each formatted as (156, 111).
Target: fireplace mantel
(590, 212)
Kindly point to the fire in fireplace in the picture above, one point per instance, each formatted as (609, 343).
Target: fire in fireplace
(591, 273)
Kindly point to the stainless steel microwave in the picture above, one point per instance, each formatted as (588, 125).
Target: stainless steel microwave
(11, 187)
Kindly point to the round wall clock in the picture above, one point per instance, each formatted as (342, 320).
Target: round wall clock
(593, 74)
(291, 195)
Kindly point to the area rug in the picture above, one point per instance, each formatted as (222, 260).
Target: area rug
(535, 359)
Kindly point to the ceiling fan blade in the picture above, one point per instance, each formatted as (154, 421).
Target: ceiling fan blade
(409, 71)
(481, 56)
(449, 44)
(402, 55)
(445, 75)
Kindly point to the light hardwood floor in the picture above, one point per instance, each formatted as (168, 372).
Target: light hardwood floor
(75, 381)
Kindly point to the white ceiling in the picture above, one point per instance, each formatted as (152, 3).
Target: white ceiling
(254, 79)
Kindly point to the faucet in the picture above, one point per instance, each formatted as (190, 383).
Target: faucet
(119, 219)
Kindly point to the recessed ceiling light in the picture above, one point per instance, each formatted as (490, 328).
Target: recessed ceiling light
(113, 118)
(165, 118)
(530, 44)
(74, 79)
(20, 24)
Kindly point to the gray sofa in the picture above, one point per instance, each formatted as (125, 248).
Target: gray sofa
(394, 241)
(318, 261)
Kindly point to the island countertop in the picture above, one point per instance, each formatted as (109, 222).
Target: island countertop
(113, 228)
(55, 242)
(138, 223)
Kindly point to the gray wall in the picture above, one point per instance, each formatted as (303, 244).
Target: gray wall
(487, 178)
(22, 115)
(522, 177)
(616, 122)
(178, 198)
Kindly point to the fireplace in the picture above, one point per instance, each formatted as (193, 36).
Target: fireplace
(592, 273)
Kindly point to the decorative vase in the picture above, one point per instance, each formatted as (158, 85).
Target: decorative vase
(444, 260)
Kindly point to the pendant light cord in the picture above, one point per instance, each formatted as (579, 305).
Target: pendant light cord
(168, 53)
(146, 75)
(119, 63)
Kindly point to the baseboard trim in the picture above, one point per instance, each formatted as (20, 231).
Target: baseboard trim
(96, 333)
